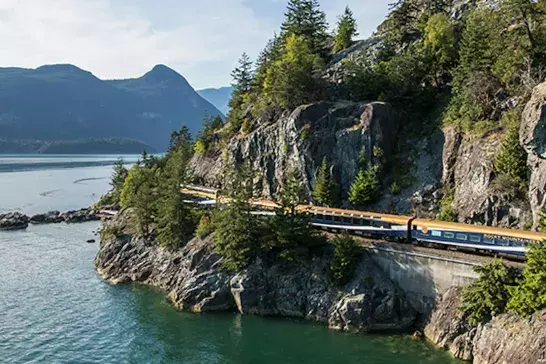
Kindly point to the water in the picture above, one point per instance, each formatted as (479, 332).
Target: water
(37, 184)
(55, 309)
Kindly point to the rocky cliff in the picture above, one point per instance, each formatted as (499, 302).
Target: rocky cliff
(506, 339)
(194, 281)
(444, 162)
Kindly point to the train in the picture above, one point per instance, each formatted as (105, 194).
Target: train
(400, 228)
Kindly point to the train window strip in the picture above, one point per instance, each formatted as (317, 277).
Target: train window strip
(475, 238)
(449, 235)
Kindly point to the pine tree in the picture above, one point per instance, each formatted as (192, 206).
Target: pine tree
(139, 192)
(530, 295)
(346, 30)
(242, 77)
(511, 161)
(119, 174)
(304, 18)
(270, 54)
(364, 187)
(292, 192)
(489, 294)
(176, 222)
(325, 187)
(295, 78)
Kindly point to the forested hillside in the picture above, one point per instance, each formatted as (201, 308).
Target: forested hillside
(65, 103)
(424, 117)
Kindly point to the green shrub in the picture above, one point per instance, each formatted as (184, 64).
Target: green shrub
(345, 260)
(305, 132)
(489, 294)
(325, 188)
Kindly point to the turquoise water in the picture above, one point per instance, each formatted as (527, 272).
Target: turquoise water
(55, 309)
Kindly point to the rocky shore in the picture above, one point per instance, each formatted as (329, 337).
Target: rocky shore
(507, 338)
(194, 282)
(19, 221)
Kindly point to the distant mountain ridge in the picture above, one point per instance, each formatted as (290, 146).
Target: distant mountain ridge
(65, 103)
(219, 97)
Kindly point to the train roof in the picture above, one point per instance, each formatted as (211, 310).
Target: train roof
(531, 235)
(397, 219)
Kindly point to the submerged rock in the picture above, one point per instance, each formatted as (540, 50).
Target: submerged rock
(194, 282)
(13, 221)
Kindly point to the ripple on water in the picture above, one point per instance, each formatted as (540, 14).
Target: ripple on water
(55, 309)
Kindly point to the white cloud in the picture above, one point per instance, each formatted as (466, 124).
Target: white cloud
(123, 38)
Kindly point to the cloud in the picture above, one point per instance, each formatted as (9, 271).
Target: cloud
(125, 38)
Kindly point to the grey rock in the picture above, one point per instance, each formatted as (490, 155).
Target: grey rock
(79, 216)
(195, 282)
(507, 338)
(13, 221)
(51, 217)
(337, 132)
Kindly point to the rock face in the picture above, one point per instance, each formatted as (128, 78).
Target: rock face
(194, 282)
(55, 217)
(13, 221)
(338, 132)
(506, 339)
(533, 138)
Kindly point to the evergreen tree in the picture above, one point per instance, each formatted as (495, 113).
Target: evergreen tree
(119, 174)
(530, 295)
(440, 39)
(511, 161)
(271, 53)
(295, 78)
(292, 192)
(237, 231)
(325, 187)
(304, 18)
(176, 222)
(243, 77)
(346, 30)
(139, 193)
(489, 294)
(364, 187)
(345, 260)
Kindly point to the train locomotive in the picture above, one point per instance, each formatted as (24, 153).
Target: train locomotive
(483, 239)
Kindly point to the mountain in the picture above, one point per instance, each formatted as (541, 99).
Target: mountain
(66, 103)
(219, 97)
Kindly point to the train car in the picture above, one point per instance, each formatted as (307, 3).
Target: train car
(368, 224)
(475, 237)
(198, 191)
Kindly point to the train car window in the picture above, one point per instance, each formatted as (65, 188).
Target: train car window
(475, 238)
(436, 233)
(347, 220)
(488, 240)
(449, 235)
(462, 237)
(337, 218)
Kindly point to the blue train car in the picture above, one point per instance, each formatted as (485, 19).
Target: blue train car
(486, 238)
(368, 224)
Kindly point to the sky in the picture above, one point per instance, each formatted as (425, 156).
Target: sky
(114, 39)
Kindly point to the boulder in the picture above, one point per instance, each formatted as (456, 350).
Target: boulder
(13, 221)
(51, 217)
(79, 216)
